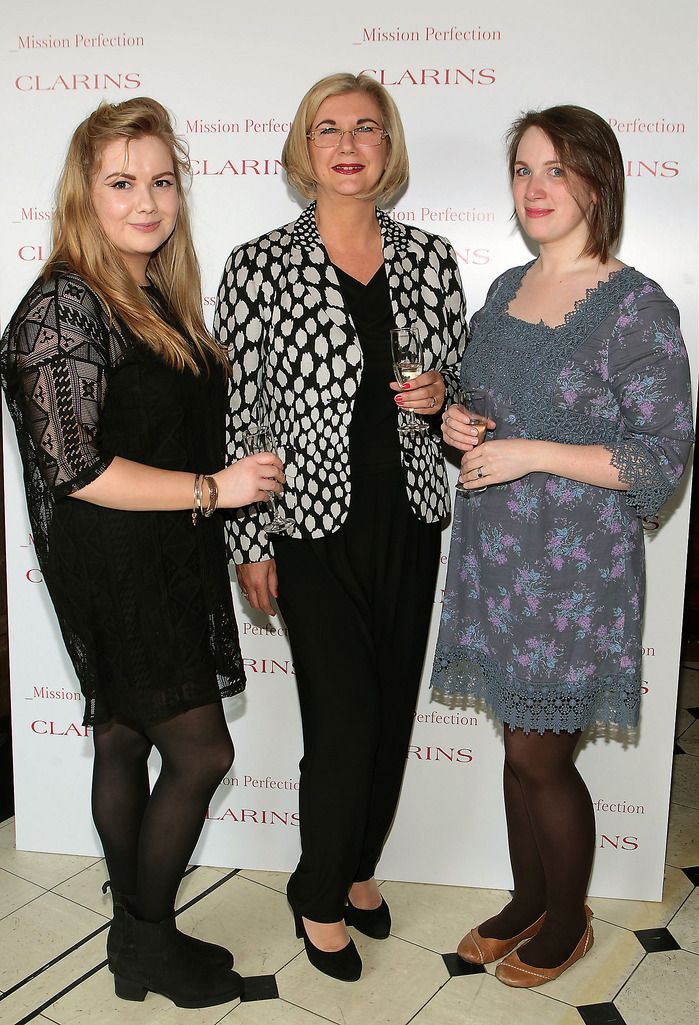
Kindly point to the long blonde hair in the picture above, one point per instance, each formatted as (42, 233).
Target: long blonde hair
(80, 243)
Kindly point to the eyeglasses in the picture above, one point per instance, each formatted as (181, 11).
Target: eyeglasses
(363, 135)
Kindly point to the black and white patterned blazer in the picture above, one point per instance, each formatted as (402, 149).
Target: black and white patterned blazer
(297, 365)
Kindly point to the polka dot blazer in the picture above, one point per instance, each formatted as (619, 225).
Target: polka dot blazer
(297, 365)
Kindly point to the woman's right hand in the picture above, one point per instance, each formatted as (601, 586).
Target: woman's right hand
(249, 480)
(457, 429)
(258, 582)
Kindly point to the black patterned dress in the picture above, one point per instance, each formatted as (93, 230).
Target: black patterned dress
(142, 598)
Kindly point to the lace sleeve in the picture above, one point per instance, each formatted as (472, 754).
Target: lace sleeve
(649, 375)
(56, 352)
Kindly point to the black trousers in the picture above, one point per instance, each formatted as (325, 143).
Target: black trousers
(357, 605)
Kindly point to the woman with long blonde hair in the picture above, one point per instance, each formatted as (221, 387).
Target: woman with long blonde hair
(117, 393)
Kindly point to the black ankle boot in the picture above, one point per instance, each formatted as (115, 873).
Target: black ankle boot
(121, 903)
(345, 964)
(375, 922)
(153, 958)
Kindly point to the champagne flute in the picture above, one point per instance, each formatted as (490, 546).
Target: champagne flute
(408, 362)
(476, 402)
(259, 438)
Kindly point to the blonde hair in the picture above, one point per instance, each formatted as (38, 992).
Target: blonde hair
(80, 243)
(295, 158)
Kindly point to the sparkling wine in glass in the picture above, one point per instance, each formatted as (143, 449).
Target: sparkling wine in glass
(408, 363)
(476, 403)
(259, 438)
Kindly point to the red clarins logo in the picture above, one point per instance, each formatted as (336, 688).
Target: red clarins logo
(47, 728)
(32, 254)
(247, 166)
(78, 82)
(618, 843)
(652, 168)
(433, 76)
(256, 817)
(462, 755)
(270, 666)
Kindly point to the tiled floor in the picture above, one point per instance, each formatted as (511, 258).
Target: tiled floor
(643, 970)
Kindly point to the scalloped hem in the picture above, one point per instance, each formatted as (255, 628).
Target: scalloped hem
(612, 700)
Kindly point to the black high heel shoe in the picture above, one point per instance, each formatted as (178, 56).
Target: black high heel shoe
(375, 922)
(345, 964)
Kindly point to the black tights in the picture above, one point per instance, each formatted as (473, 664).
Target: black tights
(551, 832)
(148, 838)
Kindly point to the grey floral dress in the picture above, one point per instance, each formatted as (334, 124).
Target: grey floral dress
(544, 596)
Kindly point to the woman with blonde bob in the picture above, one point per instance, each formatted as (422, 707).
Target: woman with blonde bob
(117, 393)
(306, 313)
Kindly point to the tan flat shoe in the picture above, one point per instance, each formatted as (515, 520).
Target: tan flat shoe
(477, 949)
(514, 972)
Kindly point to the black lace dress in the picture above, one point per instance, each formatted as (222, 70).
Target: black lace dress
(142, 598)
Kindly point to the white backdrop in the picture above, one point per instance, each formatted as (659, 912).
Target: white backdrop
(233, 74)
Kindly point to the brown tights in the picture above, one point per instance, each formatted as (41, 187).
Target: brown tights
(551, 833)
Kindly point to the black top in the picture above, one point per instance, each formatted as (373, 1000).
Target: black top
(142, 598)
(373, 439)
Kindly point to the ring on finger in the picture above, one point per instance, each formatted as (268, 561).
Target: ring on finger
(446, 420)
(479, 472)
(433, 403)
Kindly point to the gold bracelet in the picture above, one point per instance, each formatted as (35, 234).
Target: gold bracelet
(198, 488)
(213, 497)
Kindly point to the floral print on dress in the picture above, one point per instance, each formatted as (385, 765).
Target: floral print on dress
(544, 593)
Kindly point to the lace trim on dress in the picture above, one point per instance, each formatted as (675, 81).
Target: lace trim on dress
(560, 707)
(649, 487)
(522, 361)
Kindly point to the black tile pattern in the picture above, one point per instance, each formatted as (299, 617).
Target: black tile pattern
(456, 966)
(260, 987)
(692, 874)
(655, 940)
(694, 712)
(600, 1014)
(678, 750)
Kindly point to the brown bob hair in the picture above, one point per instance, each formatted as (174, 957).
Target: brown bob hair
(295, 158)
(80, 243)
(586, 147)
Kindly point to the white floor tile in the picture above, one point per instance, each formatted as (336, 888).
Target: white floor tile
(683, 837)
(482, 1000)
(45, 870)
(398, 978)
(251, 920)
(48, 983)
(271, 1012)
(685, 925)
(94, 1003)
(15, 892)
(438, 916)
(36, 933)
(639, 914)
(661, 991)
(274, 880)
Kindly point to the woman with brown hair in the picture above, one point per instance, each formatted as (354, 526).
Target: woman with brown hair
(117, 393)
(306, 312)
(584, 363)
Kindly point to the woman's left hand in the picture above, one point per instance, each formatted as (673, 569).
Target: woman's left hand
(423, 395)
(495, 462)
